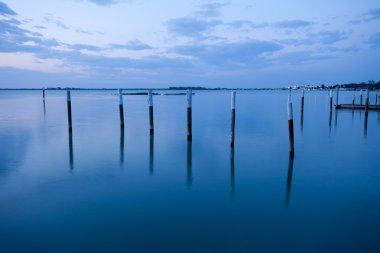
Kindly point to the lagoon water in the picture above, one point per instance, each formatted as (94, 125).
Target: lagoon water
(106, 190)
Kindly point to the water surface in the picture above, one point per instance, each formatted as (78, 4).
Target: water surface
(101, 189)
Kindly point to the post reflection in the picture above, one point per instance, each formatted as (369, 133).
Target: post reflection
(232, 172)
(289, 180)
(189, 163)
(330, 120)
(301, 120)
(336, 118)
(151, 154)
(121, 147)
(44, 109)
(71, 152)
(365, 124)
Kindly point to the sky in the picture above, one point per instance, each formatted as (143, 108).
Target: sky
(162, 43)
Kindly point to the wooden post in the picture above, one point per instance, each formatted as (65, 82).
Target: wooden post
(331, 101)
(290, 126)
(361, 97)
(353, 99)
(233, 103)
(150, 104)
(43, 94)
(302, 100)
(69, 110)
(337, 95)
(121, 108)
(366, 102)
(189, 114)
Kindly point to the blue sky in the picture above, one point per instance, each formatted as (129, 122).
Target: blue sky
(161, 43)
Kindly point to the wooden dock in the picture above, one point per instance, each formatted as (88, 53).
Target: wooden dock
(357, 107)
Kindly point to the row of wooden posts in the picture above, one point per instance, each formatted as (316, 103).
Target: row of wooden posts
(233, 108)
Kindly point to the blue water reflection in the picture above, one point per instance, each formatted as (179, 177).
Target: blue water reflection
(106, 189)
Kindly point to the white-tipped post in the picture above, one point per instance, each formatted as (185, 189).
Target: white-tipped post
(121, 108)
(233, 104)
(290, 126)
(302, 100)
(189, 114)
(150, 105)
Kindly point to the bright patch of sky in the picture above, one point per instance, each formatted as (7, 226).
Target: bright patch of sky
(161, 43)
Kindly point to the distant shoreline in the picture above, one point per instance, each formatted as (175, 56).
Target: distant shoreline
(351, 86)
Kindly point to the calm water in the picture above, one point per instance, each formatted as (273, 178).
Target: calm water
(104, 190)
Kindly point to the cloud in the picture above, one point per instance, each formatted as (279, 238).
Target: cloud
(373, 14)
(374, 40)
(6, 11)
(191, 27)
(55, 20)
(293, 24)
(301, 57)
(104, 2)
(229, 54)
(210, 10)
(84, 47)
(131, 45)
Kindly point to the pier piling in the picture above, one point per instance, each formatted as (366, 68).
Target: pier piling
(233, 103)
(361, 97)
(302, 100)
(331, 101)
(69, 110)
(189, 114)
(337, 95)
(150, 104)
(290, 126)
(366, 102)
(121, 109)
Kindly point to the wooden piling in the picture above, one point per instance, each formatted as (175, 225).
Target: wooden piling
(331, 101)
(189, 114)
(361, 97)
(353, 99)
(43, 94)
(121, 108)
(290, 126)
(69, 110)
(233, 103)
(302, 100)
(150, 105)
(366, 102)
(337, 95)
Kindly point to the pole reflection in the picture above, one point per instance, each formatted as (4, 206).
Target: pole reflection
(121, 146)
(44, 109)
(289, 180)
(301, 121)
(189, 163)
(232, 172)
(336, 118)
(71, 152)
(151, 154)
(365, 124)
(330, 120)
